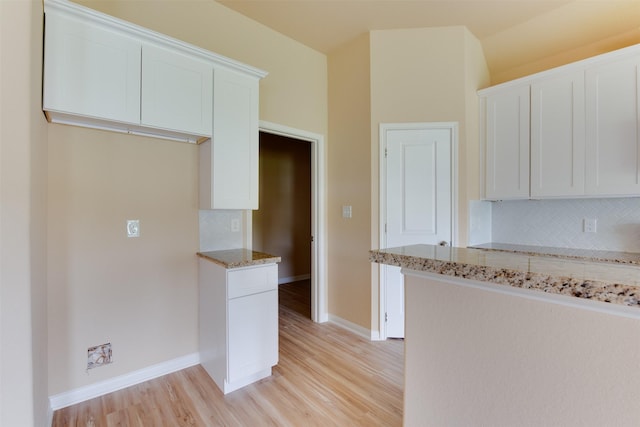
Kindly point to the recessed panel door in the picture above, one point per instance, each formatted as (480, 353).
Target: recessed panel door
(418, 202)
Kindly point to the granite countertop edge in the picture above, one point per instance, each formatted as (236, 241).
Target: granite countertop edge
(596, 290)
(237, 258)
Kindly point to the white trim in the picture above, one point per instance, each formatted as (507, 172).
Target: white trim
(71, 397)
(382, 176)
(350, 326)
(50, 415)
(290, 279)
(319, 311)
(532, 294)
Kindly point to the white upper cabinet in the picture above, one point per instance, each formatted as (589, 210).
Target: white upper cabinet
(613, 123)
(229, 163)
(102, 72)
(177, 91)
(90, 71)
(558, 136)
(585, 130)
(507, 144)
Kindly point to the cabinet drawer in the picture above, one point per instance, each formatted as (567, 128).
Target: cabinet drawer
(248, 281)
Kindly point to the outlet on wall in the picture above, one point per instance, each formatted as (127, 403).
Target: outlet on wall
(590, 225)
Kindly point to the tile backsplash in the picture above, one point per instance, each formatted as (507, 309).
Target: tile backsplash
(559, 223)
(215, 230)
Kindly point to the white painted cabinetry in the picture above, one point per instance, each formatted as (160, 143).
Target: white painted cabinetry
(177, 91)
(584, 127)
(558, 136)
(229, 162)
(238, 323)
(507, 144)
(91, 71)
(613, 125)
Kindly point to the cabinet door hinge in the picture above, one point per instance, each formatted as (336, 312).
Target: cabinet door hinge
(386, 317)
(385, 153)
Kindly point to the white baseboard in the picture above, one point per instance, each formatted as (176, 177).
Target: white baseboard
(282, 280)
(350, 326)
(91, 391)
(50, 415)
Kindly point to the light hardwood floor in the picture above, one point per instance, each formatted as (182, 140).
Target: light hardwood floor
(326, 376)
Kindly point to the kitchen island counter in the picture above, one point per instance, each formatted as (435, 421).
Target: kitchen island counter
(597, 281)
(508, 339)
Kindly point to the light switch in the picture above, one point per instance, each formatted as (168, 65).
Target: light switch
(346, 212)
(133, 228)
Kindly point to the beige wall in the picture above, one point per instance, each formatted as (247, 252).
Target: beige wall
(475, 357)
(417, 75)
(282, 224)
(349, 183)
(140, 294)
(23, 292)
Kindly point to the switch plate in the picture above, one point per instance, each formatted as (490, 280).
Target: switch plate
(346, 212)
(133, 228)
(590, 225)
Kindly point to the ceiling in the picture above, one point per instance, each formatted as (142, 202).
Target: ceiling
(512, 32)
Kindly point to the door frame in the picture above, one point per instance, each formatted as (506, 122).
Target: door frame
(319, 312)
(383, 129)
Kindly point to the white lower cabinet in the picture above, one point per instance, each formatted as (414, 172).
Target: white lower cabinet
(238, 323)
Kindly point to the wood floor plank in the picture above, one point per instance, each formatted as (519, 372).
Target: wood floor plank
(326, 376)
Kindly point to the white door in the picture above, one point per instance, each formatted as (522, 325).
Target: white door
(418, 198)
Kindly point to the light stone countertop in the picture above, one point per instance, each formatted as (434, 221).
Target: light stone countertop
(598, 281)
(569, 253)
(236, 258)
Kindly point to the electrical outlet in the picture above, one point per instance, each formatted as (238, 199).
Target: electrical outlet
(99, 355)
(590, 225)
(235, 225)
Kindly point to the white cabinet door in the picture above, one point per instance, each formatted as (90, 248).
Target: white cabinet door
(253, 334)
(176, 91)
(507, 144)
(558, 136)
(229, 163)
(90, 70)
(613, 143)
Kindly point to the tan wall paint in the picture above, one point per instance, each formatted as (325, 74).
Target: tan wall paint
(23, 292)
(476, 77)
(140, 294)
(591, 22)
(282, 224)
(475, 357)
(417, 75)
(349, 183)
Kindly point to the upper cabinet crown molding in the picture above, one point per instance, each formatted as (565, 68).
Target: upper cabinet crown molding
(148, 36)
